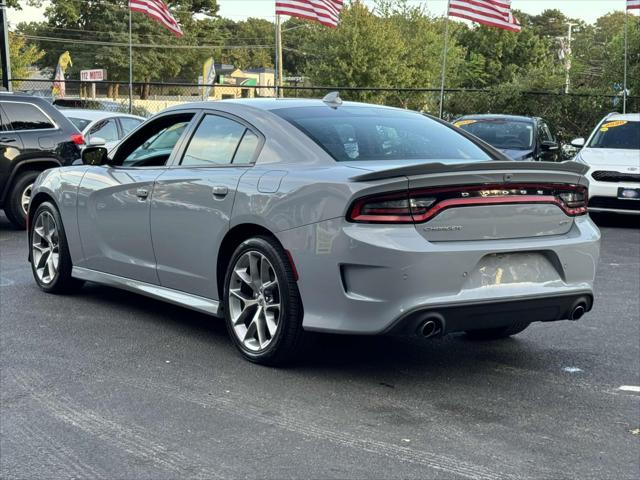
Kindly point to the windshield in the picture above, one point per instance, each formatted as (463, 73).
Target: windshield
(370, 133)
(80, 123)
(620, 134)
(500, 133)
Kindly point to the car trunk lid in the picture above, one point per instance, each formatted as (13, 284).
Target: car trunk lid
(484, 200)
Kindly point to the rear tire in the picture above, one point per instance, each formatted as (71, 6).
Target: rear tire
(262, 304)
(497, 333)
(16, 209)
(50, 259)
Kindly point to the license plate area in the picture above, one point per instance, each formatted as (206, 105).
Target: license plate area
(629, 193)
(499, 269)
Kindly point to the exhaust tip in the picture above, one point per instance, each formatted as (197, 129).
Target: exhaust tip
(578, 311)
(431, 328)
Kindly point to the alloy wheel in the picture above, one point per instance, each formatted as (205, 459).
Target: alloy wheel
(25, 198)
(254, 301)
(45, 247)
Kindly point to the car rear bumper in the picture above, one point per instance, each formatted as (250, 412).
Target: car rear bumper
(371, 279)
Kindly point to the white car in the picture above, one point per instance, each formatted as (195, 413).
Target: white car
(101, 125)
(612, 153)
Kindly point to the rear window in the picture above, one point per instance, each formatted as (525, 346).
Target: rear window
(79, 123)
(370, 133)
(501, 133)
(24, 116)
(620, 134)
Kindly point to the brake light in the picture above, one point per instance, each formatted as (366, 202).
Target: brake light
(77, 138)
(421, 205)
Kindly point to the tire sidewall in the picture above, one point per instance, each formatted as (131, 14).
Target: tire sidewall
(16, 214)
(287, 316)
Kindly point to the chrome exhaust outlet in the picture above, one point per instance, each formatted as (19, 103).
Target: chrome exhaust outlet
(578, 311)
(431, 328)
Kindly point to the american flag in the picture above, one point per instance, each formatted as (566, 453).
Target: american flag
(326, 12)
(494, 13)
(633, 4)
(157, 10)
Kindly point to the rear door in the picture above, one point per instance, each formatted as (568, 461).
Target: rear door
(10, 149)
(193, 200)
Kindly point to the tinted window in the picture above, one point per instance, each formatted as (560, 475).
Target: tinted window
(153, 144)
(214, 142)
(23, 116)
(129, 124)
(617, 134)
(545, 133)
(80, 123)
(105, 129)
(247, 148)
(500, 133)
(370, 133)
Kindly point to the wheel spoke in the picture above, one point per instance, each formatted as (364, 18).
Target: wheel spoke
(242, 317)
(244, 276)
(261, 329)
(237, 293)
(254, 270)
(265, 266)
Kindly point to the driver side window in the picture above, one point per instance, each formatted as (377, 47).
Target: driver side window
(152, 145)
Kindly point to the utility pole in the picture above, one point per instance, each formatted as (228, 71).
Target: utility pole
(4, 47)
(567, 59)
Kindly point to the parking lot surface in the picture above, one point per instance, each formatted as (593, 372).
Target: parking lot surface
(107, 384)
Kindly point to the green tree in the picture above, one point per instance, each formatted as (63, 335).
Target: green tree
(23, 55)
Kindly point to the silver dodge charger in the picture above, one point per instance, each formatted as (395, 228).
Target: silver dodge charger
(285, 216)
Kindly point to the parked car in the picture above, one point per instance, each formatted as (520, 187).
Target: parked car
(284, 216)
(612, 153)
(102, 126)
(99, 104)
(520, 138)
(34, 136)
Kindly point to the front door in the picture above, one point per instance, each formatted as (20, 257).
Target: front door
(192, 202)
(113, 202)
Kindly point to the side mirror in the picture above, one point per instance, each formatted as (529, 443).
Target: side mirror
(550, 146)
(94, 155)
(578, 142)
(96, 142)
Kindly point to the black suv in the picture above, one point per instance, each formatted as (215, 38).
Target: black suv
(519, 138)
(34, 136)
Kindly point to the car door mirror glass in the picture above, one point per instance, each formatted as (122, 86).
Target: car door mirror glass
(578, 142)
(549, 146)
(94, 155)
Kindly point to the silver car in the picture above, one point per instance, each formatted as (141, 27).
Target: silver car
(102, 127)
(289, 216)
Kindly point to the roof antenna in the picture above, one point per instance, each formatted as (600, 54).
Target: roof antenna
(332, 99)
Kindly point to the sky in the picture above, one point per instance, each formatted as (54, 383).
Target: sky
(587, 10)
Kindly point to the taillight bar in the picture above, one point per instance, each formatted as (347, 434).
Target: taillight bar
(421, 205)
(77, 138)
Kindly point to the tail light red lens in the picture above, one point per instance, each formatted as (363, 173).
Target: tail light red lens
(77, 138)
(418, 206)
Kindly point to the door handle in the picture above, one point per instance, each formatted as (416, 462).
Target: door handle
(142, 193)
(220, 191)
(7, 140)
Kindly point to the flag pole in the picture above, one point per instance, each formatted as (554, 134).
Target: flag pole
(626, 60)
(130, 66)
(444, 62)
(278, 68)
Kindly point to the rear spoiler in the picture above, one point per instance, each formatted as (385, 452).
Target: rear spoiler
(429, 168)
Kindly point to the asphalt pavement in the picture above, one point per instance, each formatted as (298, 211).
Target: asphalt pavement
(107, 384)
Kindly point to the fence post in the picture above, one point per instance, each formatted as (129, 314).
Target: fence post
(4, 47)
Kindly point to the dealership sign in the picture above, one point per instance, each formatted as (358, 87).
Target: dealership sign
(95, 75)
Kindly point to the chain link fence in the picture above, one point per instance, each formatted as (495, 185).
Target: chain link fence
(572, 114)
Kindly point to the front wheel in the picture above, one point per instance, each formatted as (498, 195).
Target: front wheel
(262, 304)
(50, 259)
(497, 333)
